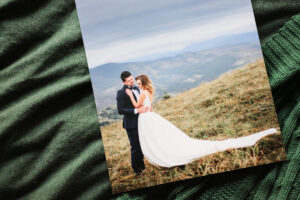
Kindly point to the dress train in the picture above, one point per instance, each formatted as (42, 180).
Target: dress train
(163, 144)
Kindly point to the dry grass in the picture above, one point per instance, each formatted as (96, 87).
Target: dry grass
(236, 104)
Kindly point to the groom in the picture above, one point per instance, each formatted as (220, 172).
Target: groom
(130, 120)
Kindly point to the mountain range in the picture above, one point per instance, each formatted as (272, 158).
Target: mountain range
(174, 74)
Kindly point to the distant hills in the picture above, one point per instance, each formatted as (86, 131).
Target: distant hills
(175, 74)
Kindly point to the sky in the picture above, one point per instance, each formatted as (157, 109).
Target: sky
(138, 30)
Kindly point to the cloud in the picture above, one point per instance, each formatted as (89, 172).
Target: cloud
(122, 31)
(198, 76)
(98, 11)
(122, 51)
(193, 79)
(189, 80)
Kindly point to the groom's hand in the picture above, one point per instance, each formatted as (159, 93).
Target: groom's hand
(142, 110)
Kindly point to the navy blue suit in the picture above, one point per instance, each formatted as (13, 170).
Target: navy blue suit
(130, 123)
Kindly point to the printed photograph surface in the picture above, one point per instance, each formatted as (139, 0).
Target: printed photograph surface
(181, 89)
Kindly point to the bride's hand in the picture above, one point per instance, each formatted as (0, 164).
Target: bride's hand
(129, 92)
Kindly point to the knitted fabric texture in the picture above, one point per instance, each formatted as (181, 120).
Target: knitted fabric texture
(51, 146)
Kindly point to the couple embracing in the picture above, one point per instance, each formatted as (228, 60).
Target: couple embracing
(127, 99)
(158, 140)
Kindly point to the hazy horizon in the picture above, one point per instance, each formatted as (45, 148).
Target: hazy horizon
(153, 58)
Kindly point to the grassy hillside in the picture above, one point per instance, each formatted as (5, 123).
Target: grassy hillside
(236, 104)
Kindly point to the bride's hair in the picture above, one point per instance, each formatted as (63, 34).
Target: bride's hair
(146, 82)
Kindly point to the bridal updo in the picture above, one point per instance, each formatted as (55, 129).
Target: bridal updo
(146, 82)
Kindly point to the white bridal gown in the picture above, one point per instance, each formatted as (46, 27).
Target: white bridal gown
(163, 144)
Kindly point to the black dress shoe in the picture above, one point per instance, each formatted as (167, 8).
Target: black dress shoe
(182, 167)
(138, 172)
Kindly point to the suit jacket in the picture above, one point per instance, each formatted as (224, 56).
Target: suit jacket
(126, 108)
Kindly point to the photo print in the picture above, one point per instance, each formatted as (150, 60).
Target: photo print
(181, 89)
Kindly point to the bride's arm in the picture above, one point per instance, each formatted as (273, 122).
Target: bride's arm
(134, 103)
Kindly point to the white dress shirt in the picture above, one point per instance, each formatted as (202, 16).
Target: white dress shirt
(137, 95)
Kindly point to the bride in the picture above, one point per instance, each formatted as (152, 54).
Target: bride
(163, 144)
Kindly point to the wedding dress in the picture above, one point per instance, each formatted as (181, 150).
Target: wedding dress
(163, 144)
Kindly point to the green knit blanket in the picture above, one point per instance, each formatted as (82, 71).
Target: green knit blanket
(51, 145)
